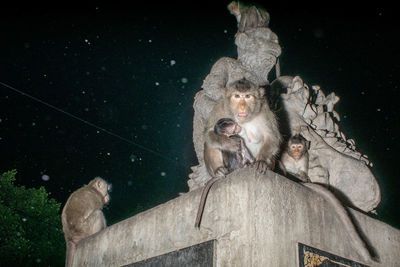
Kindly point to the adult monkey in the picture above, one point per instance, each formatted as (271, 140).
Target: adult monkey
(245, 103)
(258, 49)
(82, 214)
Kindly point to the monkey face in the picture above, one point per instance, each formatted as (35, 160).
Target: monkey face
(296, 150)
(102, 187)
(233, 129)
(242, 105)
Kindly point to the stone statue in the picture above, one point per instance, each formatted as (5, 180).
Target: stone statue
(334, 160)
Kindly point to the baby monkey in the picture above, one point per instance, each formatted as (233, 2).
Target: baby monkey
(294, 161)
(231, 160)
(238, 159)
(295, 157)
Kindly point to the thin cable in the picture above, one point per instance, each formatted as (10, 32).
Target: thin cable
(86, 122)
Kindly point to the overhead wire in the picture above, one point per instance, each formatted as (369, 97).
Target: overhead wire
(88, 122)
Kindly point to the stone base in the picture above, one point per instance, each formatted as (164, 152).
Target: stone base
(249, 220)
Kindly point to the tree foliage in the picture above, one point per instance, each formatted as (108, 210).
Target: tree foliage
(30, 226)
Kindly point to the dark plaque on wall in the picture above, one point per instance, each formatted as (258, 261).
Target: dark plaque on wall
(310, 257)
(200, 255)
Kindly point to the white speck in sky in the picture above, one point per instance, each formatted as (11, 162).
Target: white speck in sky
(163, 174)
(157, 83)
(45, 177)
(172, 62)
(133, 157)
(184, 80)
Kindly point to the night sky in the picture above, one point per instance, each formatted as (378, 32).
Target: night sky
(114, 89)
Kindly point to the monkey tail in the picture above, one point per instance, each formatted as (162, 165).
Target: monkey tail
(344, 217)
(203, 198)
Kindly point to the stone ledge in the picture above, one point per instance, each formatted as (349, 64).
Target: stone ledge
(256, 220)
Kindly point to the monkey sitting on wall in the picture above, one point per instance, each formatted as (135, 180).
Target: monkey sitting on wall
(245, 103)
(295, 157)
(294, 161)
(232, 160)
(82, 214)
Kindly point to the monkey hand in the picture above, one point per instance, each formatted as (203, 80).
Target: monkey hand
(263, 165)
(220, 172)
(304, 177)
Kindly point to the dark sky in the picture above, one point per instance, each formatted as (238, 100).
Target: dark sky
(134, 73)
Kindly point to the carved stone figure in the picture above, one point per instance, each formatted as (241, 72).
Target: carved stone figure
(333, 158)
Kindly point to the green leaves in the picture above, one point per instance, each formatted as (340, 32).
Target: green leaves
(30, 226)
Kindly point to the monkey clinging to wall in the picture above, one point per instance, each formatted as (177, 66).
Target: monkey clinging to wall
(82, 214)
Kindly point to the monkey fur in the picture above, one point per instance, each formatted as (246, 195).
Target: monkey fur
(248, 17)
(295, 157)
(231, 160)
(82, 214)
(245, 103)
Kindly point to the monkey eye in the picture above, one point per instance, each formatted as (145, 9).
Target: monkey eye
(293, 146)
(248, 96)
(300, 146)
(237, 96)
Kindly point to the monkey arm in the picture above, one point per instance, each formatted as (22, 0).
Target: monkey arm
(213, 159)
(267, 153)
(303, 168)
(222, 142)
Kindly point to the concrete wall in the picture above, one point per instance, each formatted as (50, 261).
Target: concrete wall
(256, 220)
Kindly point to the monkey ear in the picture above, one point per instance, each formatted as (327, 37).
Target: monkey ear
(261, 90)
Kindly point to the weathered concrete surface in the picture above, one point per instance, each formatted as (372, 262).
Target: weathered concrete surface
(256, 220)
